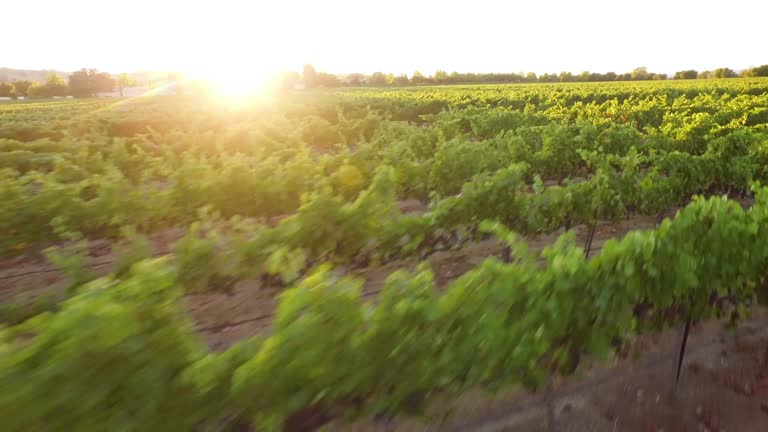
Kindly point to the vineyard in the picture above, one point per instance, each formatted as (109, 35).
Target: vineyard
(173, 264)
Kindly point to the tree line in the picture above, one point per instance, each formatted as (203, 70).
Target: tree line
(90, 82)
(312, 78)
(83, 83)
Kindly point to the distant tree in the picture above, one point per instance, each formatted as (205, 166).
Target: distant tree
(34, 91)
(565, 77)
(760, 71)
(103, 82)
(640, 74)
(89, 82)
(309, 76)
(7, 90)
(54, 86)
(377, 79)
(327, 80)
(355, 79)
(725, 73)
(22, 87)
(464, 78)
(417, 78)
(687, 74)
(313, 78)
(402, 80)
(546, 77)
(593, 77)
(125, 81)
(441, 76)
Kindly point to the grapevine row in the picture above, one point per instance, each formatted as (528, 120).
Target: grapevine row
(126, 349)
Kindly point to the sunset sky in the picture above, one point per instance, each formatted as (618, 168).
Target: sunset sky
(259, 36)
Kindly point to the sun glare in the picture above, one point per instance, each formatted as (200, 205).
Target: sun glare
(237, 82)
(237, 86)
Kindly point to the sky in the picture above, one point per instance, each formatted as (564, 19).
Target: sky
(215, 38)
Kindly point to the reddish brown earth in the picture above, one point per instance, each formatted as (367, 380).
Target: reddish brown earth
(225, 318)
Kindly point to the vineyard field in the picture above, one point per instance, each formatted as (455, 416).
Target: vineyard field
(341, 256)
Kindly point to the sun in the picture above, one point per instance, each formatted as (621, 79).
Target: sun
(237, 86)
(237, 81)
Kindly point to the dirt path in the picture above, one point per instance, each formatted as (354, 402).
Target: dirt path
(223, 319)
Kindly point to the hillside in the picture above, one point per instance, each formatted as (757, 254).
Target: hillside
(10, 74)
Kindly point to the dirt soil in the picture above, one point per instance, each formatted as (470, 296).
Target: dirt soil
(29, 276)
(225, 318)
